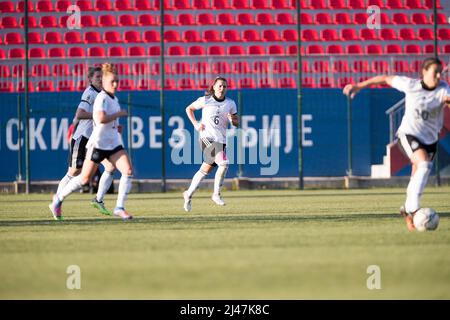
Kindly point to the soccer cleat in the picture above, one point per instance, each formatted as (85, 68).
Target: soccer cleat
(120, 212)
(408, 218)
(187, 202)
(218, 199)
(55, 208)
(100, 205)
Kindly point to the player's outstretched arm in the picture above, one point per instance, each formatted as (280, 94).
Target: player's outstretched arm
(190, 113)
(234, 120)
(352, 89)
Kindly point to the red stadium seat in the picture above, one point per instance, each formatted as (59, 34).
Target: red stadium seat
(237, 4)
(65, 85)
(401, 66)
(132, 36)
(6, 86)
(2, 53)
(126, 85)
(281, 66)
(231, 36)
(40, 70)
(380, 66)
(270, 35)
(34, 38)
(147, 20)
(264, 19)
(349, 35)
(172, 36)
(360, 18)
(260, 4)
(323, 18)
(151, 36)
(335, 49)
(444, 34)
(441, 18)
(107, 20)
(400, 18)
(379, 3)
(266, 83)
(62, 5)
(285, 83)
(79, 69)
(368, 34)
(56, 53)
(221, 4)
(289, 35)
(393, 48)
(18, 70)
(305, 18)
(260, 67)
(4, 71)
(357, 4)
(388, 34)
(45, 86)
(342, 18)
(225, 19)
(96, 52)
(186, 19)
(146, 84)
(407, 34)
(8, 6)
(191, 36)
(221, 67)
(176, 51)
(329, 35)
(326, 82)
(310, 35)
(181, 68)
(426, 34)
(88, 21)
(429, 4)
(61, 69)
(16, 53)
(236, 50)
(420, 18)
(413, 48)
(246, 83)
(337, 4)
(211, 36)
(276, 49)
(37, 53)
(186, 84)
(256, 50)
(361, 66)
(112, 37)
(154, 51)
(71, 37)
(250, 35)
(21, 86)
(395, 4)
(241, 67)
(123, 5)
(343, 81)
(142, 68)
(9, 23)
(315, 49)
(136, 51)
(354, 49)
(127, 20)
(341, 66)
(31, 22)
(245, 19)
(92, 37)
(205, 19)
(447, 48)
(216, 51)
(85, 5)
(116, 52)
(44, 6)
(429, 49)
(201, 4)
(282, 4)
(20, 6)
(52, 38)
(169, 20)
(318, 4)
(414, 4)
(143, 5)
(48, 22)
(284, 18)
(169, 84)
(201, 67)
(321, 66)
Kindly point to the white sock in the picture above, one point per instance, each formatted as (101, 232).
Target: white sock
(64, 181)
(124, 189)
(218, 179)
(198, 177)
(73, 185)
(103, 185)
(416, 186)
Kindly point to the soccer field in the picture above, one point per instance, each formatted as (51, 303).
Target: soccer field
(284, 244)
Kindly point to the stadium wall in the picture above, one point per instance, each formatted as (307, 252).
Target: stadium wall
(324, 133)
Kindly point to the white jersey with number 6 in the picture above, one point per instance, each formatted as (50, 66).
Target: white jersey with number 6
(424, 114)
(215, 117)
(105, 136)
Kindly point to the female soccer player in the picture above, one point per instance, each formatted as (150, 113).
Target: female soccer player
(104, 143)
(420, 126)
(83, 130)
(217, 112)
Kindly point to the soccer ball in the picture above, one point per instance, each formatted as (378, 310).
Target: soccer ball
(426, 219)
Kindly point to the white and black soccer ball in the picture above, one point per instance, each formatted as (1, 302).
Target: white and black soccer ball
(426, 219)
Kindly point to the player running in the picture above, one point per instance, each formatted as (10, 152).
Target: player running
(418, 133)
(217, 112)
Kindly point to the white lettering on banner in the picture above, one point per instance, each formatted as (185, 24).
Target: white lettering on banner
(14, 146)
(59, 133)
(249, 136)
(153, 132)
(177, 140)
(137, 137)
(305, 130)
(273, 130)
(289, 134)
(36, 134)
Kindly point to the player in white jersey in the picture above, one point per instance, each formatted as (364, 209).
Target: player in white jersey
(104, 143)
(418, 133)
(83, 129)
(217, 112)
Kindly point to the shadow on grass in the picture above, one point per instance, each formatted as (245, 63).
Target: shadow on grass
(206, 219)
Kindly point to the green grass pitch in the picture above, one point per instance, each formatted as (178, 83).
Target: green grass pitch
(283, 244)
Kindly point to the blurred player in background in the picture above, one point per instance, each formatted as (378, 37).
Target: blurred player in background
(104, 143)
(81, 130)
(217, 112)
(418, 133)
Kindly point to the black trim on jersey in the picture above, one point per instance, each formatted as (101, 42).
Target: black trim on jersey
(217, 99)
(425, 87)
(109, 94)
(86, 102)
(98, 91)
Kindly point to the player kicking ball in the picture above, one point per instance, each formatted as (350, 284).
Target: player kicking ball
(418, 133)
(217, 112)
